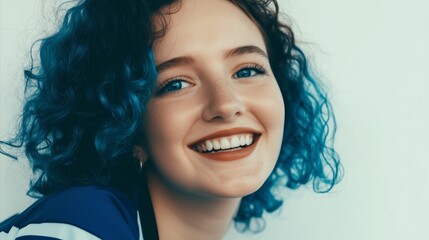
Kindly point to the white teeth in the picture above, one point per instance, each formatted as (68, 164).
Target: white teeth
(235, 142)
(216, 144)
(209, 145)
(224, 143)
(242, 140)
(248, 141)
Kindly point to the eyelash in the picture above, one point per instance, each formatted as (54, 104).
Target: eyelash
(259, 70)
(162, 88)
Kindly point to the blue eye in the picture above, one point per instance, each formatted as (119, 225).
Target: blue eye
(172, 86)
(249, 71)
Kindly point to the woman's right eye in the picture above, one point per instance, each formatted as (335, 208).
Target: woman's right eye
(172, 86)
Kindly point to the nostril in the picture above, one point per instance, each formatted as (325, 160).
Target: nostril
(224, 110)
(223, 101)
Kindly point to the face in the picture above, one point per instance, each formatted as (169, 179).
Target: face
(214, 125)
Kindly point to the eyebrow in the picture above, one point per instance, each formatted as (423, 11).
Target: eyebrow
(184, 60)
(245, 50)
(174, 62)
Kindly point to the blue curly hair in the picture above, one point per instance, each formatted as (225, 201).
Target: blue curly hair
(86, 98)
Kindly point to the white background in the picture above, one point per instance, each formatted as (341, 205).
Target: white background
(374, 57)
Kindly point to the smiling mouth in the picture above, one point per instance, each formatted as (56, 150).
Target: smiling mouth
(227, 148)
(225, 144)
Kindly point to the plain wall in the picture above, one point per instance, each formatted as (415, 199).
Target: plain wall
(373, 56)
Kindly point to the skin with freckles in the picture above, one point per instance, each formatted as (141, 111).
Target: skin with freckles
(214, 82)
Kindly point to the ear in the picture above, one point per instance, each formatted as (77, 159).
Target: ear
(140, 155)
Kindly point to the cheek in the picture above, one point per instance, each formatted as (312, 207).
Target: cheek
(165, 124)
(166, 127)
(269, 108)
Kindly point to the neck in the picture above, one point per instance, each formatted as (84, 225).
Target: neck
(182, 215)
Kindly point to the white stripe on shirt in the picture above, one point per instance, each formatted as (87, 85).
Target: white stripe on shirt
(54, 230)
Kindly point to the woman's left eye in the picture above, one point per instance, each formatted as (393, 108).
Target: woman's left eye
(250, 71)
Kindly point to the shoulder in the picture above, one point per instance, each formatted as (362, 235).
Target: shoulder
(88, 212)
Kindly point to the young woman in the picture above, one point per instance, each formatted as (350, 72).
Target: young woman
(170, 120)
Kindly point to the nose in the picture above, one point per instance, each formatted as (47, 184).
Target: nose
(223, 103)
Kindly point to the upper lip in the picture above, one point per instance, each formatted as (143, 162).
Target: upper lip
(225, 133)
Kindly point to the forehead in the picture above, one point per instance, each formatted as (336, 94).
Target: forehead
(206, 26)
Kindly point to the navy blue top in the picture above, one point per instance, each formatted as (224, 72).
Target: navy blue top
(82, 213)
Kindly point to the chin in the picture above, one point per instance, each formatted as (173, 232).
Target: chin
(236, 189)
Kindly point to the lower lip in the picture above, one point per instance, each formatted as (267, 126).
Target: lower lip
(231, 155)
